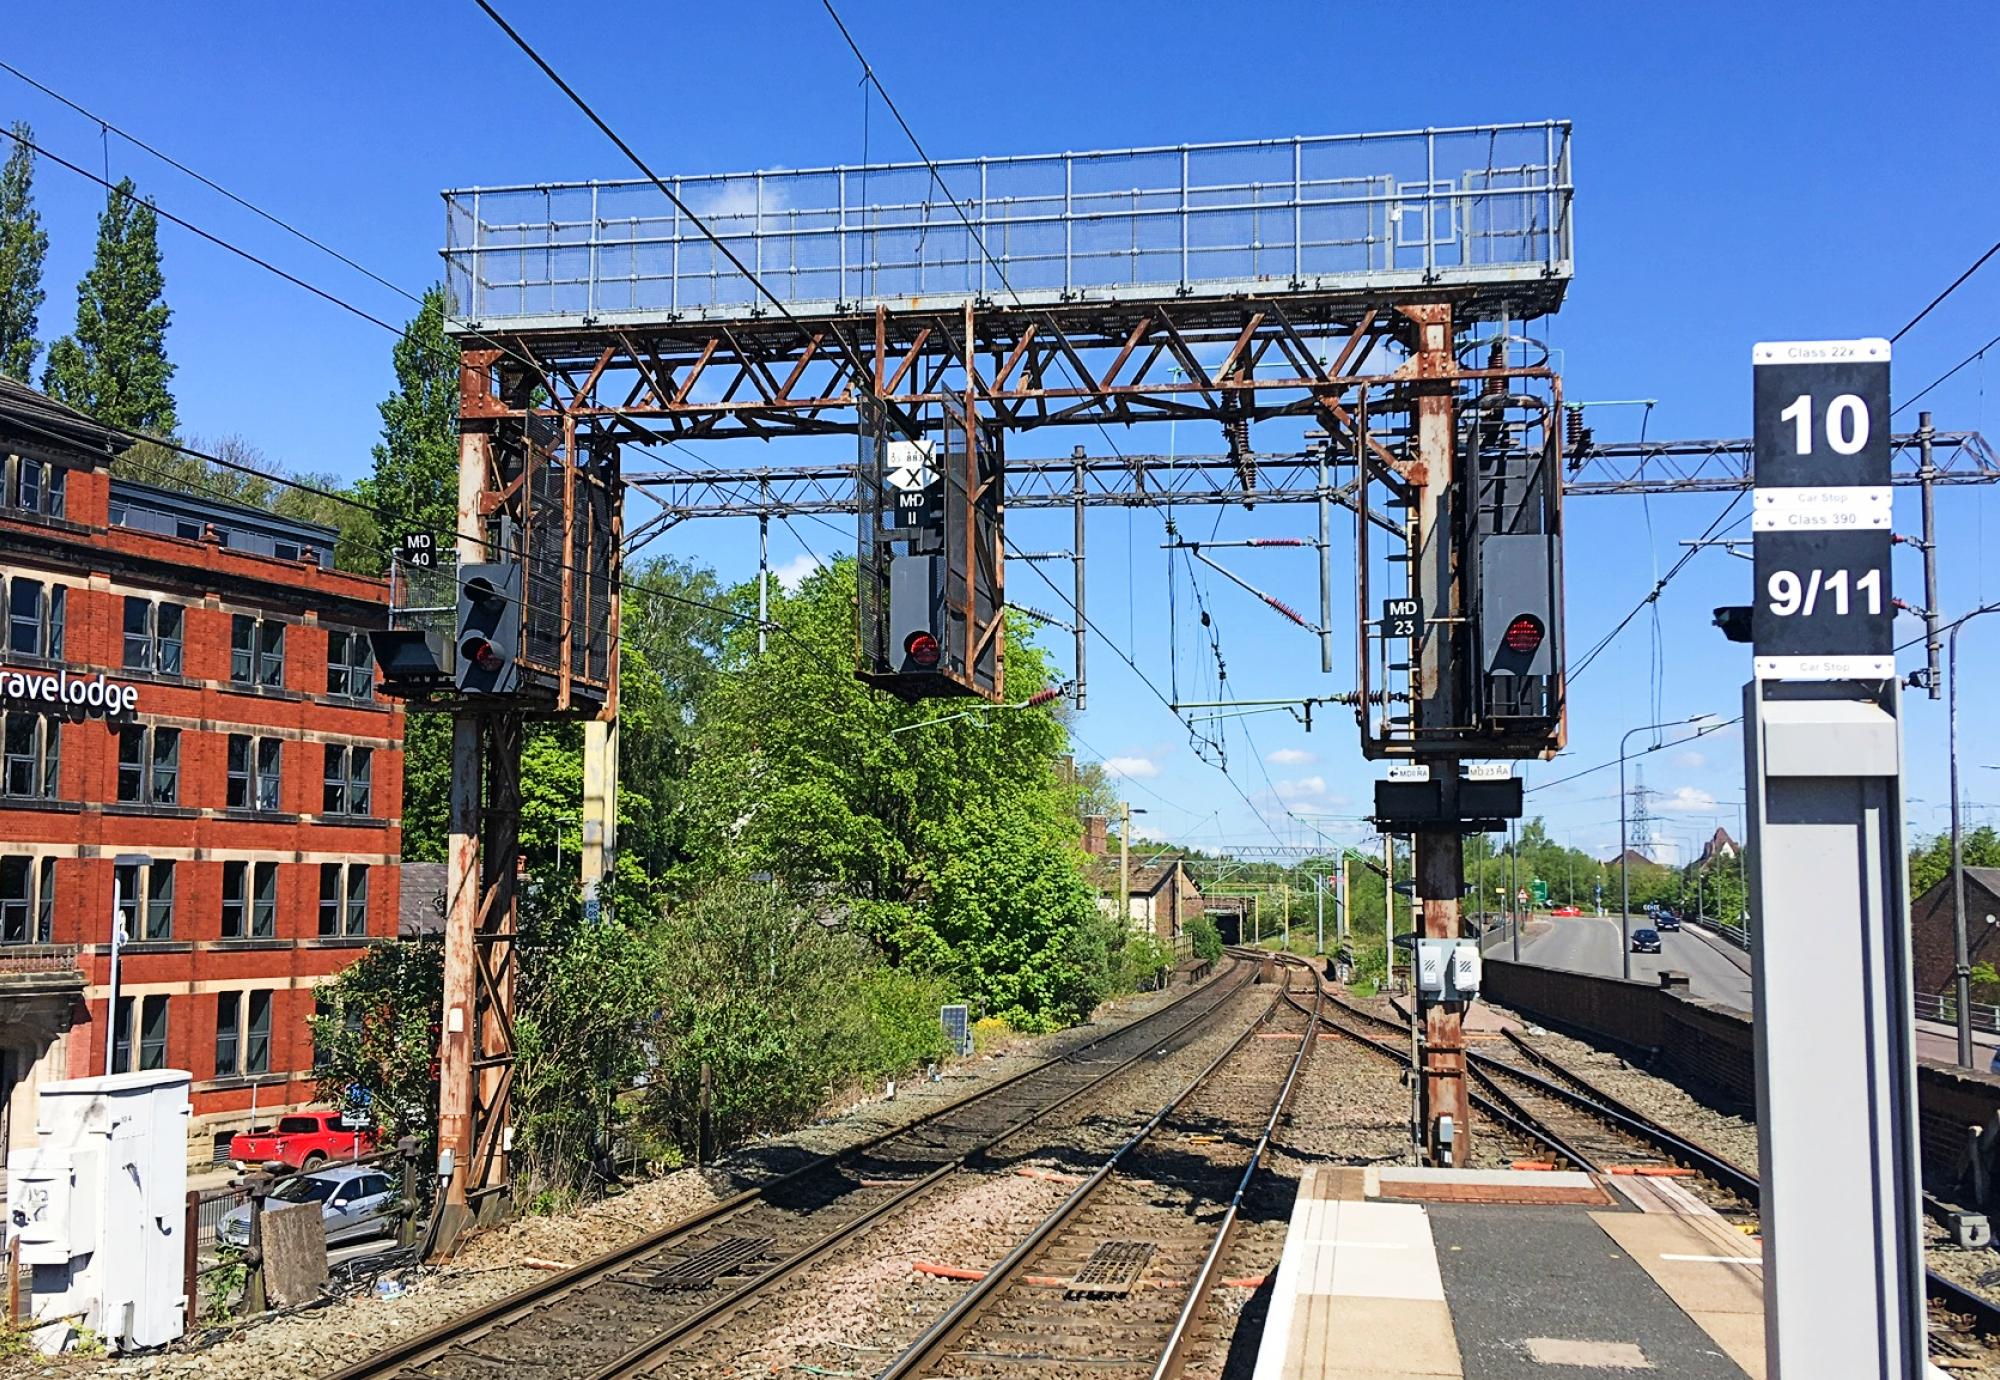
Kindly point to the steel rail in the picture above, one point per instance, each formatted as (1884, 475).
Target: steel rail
(952, 1324)
(438, 1340)
(636, 1361)
(1171, 1358)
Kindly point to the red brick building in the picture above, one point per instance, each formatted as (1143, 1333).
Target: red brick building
(189, 732)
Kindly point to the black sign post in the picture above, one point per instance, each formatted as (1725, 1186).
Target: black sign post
(1403, 618)
(1821, 522)
(419, 550)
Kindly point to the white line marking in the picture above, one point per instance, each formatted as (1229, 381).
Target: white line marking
(1338, 1244)
(1717, 1259)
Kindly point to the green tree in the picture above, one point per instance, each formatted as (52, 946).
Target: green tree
(378, 1032)
(949, 830)
(415, 483)
(415, 477)
(1930, 860)
(23, 246)
(114, 365)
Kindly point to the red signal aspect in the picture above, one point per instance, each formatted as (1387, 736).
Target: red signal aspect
(922, 649)
(1524, 634)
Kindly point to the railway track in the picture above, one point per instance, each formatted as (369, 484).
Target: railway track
(704, 1268)
(1114, 1280)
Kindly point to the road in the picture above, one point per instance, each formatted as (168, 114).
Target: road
(1593, 944)
(1589, 944)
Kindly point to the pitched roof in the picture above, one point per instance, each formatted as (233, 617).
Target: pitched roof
(420, 909)
(41, 421)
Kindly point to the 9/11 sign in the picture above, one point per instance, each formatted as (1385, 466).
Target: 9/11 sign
(1821, 521)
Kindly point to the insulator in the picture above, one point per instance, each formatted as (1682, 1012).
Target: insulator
(1277, 541)
(1041, 697)
(1036, 614)
(1282, 607)
(1204, 618)
(1496, 358)
(1573, 432)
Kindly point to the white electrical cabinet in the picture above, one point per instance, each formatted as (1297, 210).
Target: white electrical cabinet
(100, 1206)
(1448, 969)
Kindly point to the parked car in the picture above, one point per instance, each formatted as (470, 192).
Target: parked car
(355, 1201)
(1567, 912)
(1645, 941)
(304, 1140)
(1666, 920)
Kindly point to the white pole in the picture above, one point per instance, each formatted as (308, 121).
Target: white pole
(1389, 910)
(117, 945)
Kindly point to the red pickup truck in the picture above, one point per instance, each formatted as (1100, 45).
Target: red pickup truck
(304, 1140)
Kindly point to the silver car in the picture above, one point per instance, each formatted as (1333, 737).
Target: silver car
(355, 1201)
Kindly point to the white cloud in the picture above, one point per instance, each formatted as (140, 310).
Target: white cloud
(793, 573)
(1290, 757)
(1688, 800)
(1691, 760)
(1126, 767)
(1300, 788)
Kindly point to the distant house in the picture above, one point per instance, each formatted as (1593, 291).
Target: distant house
(1162, 895)
(1931, 938)
(1719, 848)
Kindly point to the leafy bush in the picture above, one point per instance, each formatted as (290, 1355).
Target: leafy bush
(1141, 959)
(896, 1014)
(1205, 938)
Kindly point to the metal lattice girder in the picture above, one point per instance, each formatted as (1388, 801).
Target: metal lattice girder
(1143, 481)
(1682, 467)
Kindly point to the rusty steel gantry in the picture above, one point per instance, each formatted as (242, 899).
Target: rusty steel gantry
(1373, 286)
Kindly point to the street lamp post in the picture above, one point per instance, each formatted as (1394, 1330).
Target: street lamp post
(1624, 861)
(118, 866)
(1961, 966)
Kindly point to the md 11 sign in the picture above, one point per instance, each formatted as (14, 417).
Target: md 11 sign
(1821, 522)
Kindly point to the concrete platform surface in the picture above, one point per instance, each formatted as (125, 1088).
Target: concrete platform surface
(1374, 1289)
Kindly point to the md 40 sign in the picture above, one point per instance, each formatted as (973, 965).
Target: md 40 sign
(1821, 522)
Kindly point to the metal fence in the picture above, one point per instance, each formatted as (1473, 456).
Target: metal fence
(1944, 1009)
(1483, 204)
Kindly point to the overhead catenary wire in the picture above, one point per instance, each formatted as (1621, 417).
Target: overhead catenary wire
(1977, 264)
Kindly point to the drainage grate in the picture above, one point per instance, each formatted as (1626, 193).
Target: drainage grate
(703, 1268)
(1113, 1268)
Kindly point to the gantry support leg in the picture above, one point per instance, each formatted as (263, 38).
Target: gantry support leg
(1440, 853)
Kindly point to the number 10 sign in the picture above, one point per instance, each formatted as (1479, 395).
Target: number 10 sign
(1821, 521)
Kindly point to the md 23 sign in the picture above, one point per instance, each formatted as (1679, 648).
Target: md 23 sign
(1821, 521)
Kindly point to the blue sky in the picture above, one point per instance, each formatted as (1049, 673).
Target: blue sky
(1744, 172)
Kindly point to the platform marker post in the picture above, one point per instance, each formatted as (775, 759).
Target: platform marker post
(1836, 1064)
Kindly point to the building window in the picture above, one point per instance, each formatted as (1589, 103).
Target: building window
(152, 1013)
(144, 896)
(153, 1033)
(149, 764)
(235, 898)
(348, 773)
(32, 746)
(264, 900)
(228, 1023)
(254, 772)
(242, 1033)
(256, 651)
(350, 665)
(37, 487)
(343, 899)
(121, 1036)
(27, 899)
(249, 898)
(35, 618)
(160, 900)
(153, 636)
(125, 883)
